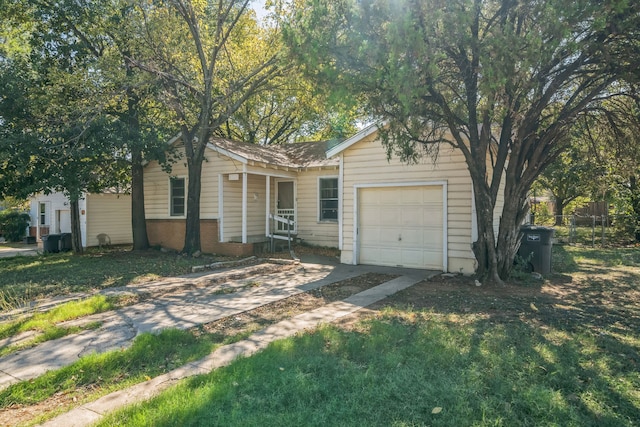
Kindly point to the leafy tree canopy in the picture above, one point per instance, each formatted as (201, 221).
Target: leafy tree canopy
(502, 81)
(211, 58)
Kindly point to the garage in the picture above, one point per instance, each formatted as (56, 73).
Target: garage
(401, 226)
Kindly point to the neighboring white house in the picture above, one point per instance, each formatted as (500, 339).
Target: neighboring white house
(346, 195)
(108, 213)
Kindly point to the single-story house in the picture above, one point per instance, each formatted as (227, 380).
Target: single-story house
(345, 195)
(241, 185)
(101, 213)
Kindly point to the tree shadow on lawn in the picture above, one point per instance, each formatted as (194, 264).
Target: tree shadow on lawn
(394, 369)
(548, 374)
(62, 273)
(571, 259)
(566, 352)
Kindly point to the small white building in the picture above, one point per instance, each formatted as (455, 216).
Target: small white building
(105, 213)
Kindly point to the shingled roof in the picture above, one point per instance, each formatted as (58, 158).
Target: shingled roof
(299, 155)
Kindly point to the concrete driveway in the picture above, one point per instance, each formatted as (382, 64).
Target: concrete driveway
(188, 301)
(8, 250)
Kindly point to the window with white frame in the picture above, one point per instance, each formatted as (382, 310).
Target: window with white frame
(43, 213)
(177, 193)
(328, 203)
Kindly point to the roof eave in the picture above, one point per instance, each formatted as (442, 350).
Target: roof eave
(355, 138)
(228, 153)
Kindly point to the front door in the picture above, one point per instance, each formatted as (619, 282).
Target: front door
(63, 218)
(286, 206)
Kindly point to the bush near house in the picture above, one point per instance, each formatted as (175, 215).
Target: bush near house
(13, 225)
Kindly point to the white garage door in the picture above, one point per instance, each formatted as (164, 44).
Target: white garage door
(401, 226)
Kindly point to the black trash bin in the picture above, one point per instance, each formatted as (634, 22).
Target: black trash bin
(51, 243)
(535, 247)
(65, 242)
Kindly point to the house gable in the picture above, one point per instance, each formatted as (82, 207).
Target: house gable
(368, 179)
(347, 143)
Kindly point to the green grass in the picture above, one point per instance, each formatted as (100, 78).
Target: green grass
(575, 361)
(397, 369)
(604, 257)
(576, 366)
(50, 333)
(28, 278)
(42, 321)
(46, 323)
(588, 235)
(98, 374)
(150, 355)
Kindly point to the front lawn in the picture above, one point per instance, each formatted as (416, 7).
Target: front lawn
(26, 278)
(444, 353)
(150, 355)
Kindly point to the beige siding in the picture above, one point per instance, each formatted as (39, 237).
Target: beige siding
(209, 191)
(310, 229)
(232, 213)
(256, 208)
(156, 187)
(109, 214)
(157, 193)
(365, 163)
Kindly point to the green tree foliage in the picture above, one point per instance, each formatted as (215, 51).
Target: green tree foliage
(500, 80)
(10, 202)
(87, 113)
(52, 138)
(211, 58)
(612, 135)
(569, 176)
(291, 111)
(13, 225)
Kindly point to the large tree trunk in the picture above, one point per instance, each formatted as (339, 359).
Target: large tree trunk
(138, 219)
(76, 233)
(635, 204)
(509, 233)
(485, 247)
(192, 232)
(558, 210)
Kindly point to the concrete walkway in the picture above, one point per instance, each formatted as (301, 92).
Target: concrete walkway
(91, 413)
(17, 249)
(184, 302)
(180, 302)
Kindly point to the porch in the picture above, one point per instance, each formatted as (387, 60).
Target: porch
(257, 207)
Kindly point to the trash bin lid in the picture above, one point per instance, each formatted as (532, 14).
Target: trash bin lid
(529, 227)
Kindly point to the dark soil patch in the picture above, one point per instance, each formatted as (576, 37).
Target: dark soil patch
(266, 315)
(593, 300)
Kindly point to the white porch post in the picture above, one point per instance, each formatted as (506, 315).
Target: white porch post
(244, 207)
(220, 207)
(37, 221)
(268, 205)
(340, 200)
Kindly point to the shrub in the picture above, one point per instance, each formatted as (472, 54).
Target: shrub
(13, 225)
